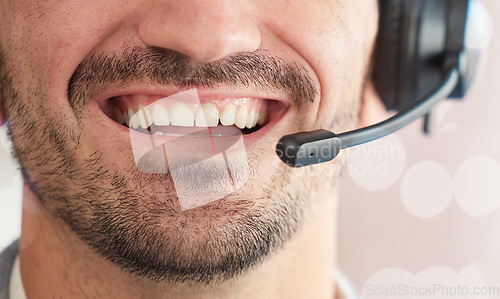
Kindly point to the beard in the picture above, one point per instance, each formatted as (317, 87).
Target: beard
(132, 218)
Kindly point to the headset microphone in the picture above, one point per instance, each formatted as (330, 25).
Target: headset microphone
(420, 58)
(307, 148)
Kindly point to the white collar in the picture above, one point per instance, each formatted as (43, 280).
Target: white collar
(16, 288)
(345, 287)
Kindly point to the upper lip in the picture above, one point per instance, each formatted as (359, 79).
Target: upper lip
(205, 94)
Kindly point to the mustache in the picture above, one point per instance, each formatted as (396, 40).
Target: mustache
(257, 70)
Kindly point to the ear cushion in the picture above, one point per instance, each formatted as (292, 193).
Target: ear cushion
(387, 52)
(416, 38)
(410, 46)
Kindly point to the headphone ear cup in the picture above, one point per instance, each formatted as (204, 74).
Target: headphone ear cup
(387, 52)
(417, 42)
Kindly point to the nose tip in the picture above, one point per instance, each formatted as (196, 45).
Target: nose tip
(201, 30)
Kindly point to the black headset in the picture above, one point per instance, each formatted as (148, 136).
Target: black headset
(420, 58)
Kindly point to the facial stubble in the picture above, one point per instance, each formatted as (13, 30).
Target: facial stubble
(141, 231)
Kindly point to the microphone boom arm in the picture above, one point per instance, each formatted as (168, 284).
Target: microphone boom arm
(307, 148)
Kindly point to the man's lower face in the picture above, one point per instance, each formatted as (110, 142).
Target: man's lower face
(80, 161)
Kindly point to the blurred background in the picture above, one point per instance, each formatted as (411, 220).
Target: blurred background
(414, 209)
(419, 210)
(10, 193)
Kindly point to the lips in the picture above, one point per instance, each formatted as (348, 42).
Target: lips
(203, 139)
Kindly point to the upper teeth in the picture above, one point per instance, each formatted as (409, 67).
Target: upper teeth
(207, 116)
(145, 118)
(228, 115)
(181, 114)
(241, 117)
(160, 116)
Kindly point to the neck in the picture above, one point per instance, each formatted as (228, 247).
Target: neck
(55, 263)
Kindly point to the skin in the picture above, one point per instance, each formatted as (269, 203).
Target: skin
(43, 43)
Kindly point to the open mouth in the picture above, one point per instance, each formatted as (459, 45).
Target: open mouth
(175, 115)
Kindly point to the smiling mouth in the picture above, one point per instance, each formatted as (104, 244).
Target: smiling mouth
(173, 116)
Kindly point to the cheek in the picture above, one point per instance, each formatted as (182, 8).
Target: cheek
(332, 44)
(36, 39)
(46, 40)
(336, 52)
(339, 55)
